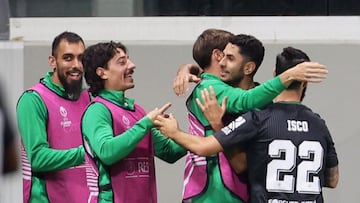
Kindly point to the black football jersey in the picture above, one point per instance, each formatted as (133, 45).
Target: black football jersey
(288, 149)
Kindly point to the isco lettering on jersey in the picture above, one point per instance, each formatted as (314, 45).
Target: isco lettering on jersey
(297, 126)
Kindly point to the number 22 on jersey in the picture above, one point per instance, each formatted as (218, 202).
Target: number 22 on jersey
(278, 177)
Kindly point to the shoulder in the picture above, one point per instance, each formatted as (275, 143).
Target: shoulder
(95, 110)
(29, 97)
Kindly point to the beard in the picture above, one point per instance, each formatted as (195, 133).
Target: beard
(235, 80)
(73, 87)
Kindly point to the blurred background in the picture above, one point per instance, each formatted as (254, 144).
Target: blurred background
(159, 35)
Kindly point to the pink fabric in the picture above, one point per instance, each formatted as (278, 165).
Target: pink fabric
(74, 184)
(195, 175)
(132, 178)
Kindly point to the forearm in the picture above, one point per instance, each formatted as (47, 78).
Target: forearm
(202, 146)
(240, 101)
(48, 159)
(110, 149)
(43, 158)
(331, 177)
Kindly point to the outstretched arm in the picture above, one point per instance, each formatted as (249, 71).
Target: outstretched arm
(186, 73)
(203, 146)
(109, 148)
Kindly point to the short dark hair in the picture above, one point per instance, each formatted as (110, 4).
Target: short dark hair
(68, 36)
(95, 56)
(209, 40)
(249, 47)
(289, 58)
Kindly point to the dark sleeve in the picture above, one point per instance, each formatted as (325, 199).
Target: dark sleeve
(240, 130)
(331, 156)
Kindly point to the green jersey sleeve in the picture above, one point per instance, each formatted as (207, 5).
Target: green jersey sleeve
(240, 101)
(97, 129)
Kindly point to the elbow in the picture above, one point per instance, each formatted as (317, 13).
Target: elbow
(36, 166)
(106, 159)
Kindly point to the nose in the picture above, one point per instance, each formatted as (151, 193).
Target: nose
(77, 63)
(131, 65)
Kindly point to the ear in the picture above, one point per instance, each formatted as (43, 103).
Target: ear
(102, 73)
(218, 55)
(249, 68)
(274, 72)
(52, 62)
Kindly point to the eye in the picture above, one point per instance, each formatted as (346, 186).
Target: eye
(122, 62)
(67, 57)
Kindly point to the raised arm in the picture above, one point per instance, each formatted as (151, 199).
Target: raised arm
(240, 100)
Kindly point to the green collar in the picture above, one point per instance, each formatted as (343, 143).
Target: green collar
(118, 98)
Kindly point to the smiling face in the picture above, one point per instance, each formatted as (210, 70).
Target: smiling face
(67, 66)
(118, 75)
(232, 65)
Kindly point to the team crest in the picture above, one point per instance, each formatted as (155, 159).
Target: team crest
(65, 122)
(126, 121)
(63, 111)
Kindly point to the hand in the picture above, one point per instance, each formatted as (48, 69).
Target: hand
(167, 125)
(211, 108)
(306, 72)
(154, 113)
(186, 73)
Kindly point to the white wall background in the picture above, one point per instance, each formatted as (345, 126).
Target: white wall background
(158, 45)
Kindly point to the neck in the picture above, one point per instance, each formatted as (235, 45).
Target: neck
(246, 83)
(289, 96)
(213, 69)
